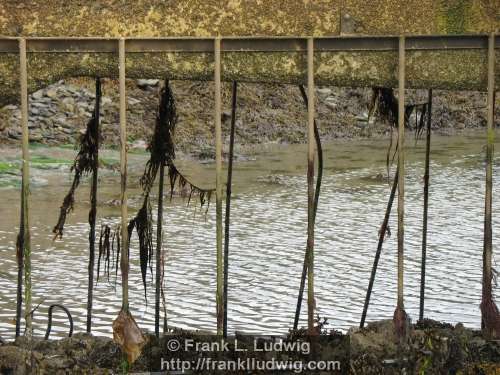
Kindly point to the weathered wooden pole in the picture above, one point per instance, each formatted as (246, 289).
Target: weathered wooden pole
(319, 178)
(381, 238)
(399, 313)
(93, 205)
(228, 202)
(124, 263)
(310, 186)
(159, 255)
(26, 240)
(426, 204)
(489, 310)
(218, 187)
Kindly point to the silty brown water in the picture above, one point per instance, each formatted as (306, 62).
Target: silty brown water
(268, 236)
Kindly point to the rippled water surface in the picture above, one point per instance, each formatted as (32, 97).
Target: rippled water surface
(268, 235)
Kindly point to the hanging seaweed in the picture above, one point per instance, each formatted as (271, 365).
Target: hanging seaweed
(116, 237)
(176, 178)
(162, 152)
(161, 146)
(142, 223)
(104, 250)
(385, 104)
(162, 155)
(86, 161)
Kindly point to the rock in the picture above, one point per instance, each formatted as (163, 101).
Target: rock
(37, 105)
(51, 93)
(132, 101)
(331, 105)
(145, 83)
(35, 136)
(37, 95)
(34, 111)
(59, 120)
(226, 115)
(68, 104)
(139, 144)
(323, 92)
(14, 134)
(10, 107)
(206, 153)
(106, 101)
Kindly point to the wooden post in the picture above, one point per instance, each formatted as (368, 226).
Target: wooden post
(218, 186)
(319, 151)
(490, 317)
(124, 264)
(159, 257)
(426, 205)
(400, 314)
(310, 186)
(93, 208)
(381, 237)
(26, 242)
(228, 203)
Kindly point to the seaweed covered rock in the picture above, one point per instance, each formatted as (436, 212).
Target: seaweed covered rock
(431, 348)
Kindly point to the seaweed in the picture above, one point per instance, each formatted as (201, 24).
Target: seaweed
(85, 162)
(162, 154)
(385, 104)
(161, 147)
(142, 223)
(104, 250)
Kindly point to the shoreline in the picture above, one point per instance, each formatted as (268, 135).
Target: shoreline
(266, 113)
(432, 347)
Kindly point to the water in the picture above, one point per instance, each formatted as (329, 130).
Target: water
(268, 236)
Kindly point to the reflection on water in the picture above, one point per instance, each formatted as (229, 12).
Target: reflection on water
(267, 241)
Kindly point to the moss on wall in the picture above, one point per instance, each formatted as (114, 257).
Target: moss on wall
(150, 18)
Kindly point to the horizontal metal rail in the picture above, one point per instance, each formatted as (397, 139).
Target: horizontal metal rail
(246, 44)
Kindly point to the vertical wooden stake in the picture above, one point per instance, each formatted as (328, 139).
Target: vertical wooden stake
(25, 187)
(310, 186)
(426, 205)
(228, 203)
(400, 318)
(159, 257)
(124, 264)
(319, 151)
(218, 186)
(93, 208)
(489, 310)
(381, 237)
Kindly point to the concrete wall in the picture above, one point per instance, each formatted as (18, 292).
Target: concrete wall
(449, 70)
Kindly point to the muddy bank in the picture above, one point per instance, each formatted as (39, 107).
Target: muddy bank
(432, 348)
(266, 113)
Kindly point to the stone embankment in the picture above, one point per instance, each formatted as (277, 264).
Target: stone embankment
(266, 113)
